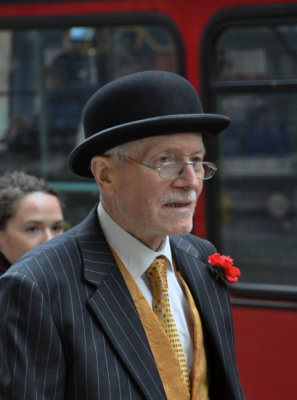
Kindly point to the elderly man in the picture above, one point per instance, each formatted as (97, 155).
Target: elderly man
(125, 305)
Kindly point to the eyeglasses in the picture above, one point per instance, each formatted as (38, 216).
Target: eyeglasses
(174, 169)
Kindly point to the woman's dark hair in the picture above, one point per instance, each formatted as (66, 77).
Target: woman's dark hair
(16, 185)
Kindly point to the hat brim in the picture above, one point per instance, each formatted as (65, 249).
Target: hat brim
(97, 144)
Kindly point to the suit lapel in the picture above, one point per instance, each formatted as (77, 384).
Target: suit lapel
(212, 301)
(115, 310)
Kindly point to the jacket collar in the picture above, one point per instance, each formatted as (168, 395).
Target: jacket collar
(115, 309)
(212, 301)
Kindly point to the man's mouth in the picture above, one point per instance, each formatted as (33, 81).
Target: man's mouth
(177, 205)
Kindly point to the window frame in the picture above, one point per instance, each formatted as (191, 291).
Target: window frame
(98, 20)
(277, 296)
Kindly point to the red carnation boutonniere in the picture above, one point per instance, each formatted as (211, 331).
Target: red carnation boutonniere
(223, 267)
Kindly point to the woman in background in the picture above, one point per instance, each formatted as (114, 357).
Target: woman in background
(30, 214)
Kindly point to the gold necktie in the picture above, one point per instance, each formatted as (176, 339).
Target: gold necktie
(158, 279)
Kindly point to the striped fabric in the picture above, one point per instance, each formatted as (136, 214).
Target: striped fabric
(69, 328)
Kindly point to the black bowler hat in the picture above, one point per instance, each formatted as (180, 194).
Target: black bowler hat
(136, 106)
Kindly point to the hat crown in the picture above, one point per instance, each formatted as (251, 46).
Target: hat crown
(137, 106)
(137, 97)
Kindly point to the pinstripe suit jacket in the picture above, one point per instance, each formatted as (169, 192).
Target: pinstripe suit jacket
(70, 330)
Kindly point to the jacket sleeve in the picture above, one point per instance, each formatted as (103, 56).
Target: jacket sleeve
(31, 359)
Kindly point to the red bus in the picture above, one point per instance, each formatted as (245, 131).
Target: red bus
(242, 58)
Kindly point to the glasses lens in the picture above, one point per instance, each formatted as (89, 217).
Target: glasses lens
(204, 171)
(201, 170)
(173, 170)
(209, 171)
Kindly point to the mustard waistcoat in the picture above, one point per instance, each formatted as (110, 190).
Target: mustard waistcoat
(166, 361)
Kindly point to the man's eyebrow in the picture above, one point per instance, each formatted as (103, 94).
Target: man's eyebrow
(200, 152)
(177, 149)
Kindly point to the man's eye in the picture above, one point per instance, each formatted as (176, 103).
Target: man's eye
(158, 161)
(163, 159)
(196, 159)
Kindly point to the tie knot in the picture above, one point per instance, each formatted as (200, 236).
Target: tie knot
(157, 273)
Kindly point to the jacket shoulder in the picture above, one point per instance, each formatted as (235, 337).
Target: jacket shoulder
(193, 245)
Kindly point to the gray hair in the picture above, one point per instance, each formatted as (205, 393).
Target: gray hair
(123, 149)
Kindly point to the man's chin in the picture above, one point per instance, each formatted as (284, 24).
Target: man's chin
(182, 230)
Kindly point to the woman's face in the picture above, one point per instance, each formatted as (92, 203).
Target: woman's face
(38, 218)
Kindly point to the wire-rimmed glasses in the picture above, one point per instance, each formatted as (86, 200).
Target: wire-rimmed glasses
(173, 169)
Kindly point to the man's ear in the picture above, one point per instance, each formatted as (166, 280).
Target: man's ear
(102, 168)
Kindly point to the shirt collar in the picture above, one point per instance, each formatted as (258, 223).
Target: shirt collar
(134, 255)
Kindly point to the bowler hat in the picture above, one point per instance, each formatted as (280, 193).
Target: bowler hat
(136, 106)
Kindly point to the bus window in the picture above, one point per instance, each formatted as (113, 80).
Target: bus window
(46, 77)
(258, 52)
(254, 81)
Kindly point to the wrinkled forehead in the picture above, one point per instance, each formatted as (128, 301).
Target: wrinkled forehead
(191, 141)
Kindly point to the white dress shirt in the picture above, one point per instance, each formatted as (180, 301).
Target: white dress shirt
(137, 258)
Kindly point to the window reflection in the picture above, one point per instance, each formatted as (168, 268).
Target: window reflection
(48, 75)
(259, 203)
(257, 53)
(259, 152)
